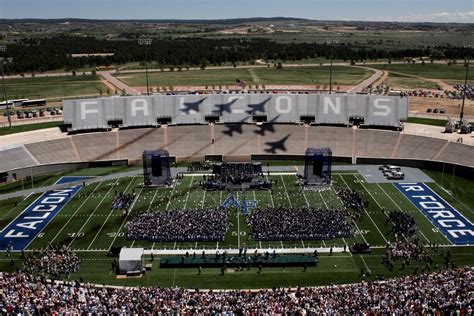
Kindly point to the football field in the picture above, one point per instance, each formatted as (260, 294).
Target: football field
(88, 223)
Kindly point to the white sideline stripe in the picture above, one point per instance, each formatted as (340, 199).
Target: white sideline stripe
(110, 213)
(398, 206)
(125, 219)
(77, 210)
(370, 217)
(96, 208)
(360, 232)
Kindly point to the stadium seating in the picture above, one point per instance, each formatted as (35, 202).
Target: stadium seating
(53, 151)
(236, 141)
(232, 141)
(458, 153)
(14, 158)
(133, 142)
(96, 146)
(189, 140)
(337, 138)
(418, 147)
(375, 143)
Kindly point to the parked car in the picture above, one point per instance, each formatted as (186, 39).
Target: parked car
(429, 110)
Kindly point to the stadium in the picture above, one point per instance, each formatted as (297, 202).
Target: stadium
(203, 199)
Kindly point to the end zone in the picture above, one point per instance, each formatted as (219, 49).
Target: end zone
(24, 229)
(452, 224)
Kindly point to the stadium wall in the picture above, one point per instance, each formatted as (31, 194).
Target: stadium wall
(39, 170)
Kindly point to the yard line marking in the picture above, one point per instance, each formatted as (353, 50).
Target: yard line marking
(302, 242)
(271, 195)
(398, 206)
(77, 210)
(96, 208)
(238, 229)
(355, 223)
(366, 266)
(286, 191)
(152, 200)
(281, 242)
(203, 199)
(8, 213)
(189, 190)
(167, 206)
(365, 210)
(451, 195)
(103, 224)
(337, 196)
(125, 219)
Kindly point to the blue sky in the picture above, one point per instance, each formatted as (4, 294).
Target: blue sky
(382, 10)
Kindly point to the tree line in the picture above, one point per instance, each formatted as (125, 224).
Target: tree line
(38, 55)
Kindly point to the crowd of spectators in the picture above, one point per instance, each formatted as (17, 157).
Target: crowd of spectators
(198, 166)
(179, 225)
(448, 292)
(408, 251)
(298, 224)
(353, 202)
(235, 173)
(123, 201)
(53, 260)
(403, 224)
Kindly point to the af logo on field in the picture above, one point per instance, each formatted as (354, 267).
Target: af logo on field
(245, 205)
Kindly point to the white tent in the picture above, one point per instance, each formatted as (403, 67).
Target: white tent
(131, 260)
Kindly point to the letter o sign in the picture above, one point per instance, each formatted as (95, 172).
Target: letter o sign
(283, 107)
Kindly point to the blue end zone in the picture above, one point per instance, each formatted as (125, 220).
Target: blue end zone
(21, 232)
(458, 229)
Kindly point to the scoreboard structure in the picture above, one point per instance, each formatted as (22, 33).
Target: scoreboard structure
(154, 110)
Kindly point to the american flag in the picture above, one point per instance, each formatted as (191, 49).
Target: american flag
(240, 83)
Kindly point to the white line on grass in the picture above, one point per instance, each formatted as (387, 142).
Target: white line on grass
(125, 219)
(96, 208)
(286, 191)
(355, 223)
(110, 213)
(167, 205)
(77, 210)
(398, 206)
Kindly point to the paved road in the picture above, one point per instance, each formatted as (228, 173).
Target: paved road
(367, 82)
(117, 83)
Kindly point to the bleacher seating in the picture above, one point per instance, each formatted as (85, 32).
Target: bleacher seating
(337, 138)
(419, 147)
(236, 141)
(376, 143)
(189, 140)
(96, 146)
(53, 151)
(458, 153)
(15, 157)
(134, 141)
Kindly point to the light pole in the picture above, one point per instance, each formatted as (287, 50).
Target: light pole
(146, 42)
(465, 87)
(3, 49)
(332, 42)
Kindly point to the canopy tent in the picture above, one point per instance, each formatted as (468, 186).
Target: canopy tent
(131, 260)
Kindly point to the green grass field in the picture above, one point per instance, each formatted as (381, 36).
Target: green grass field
(400, 81)
(28, 127)
(88, 224)
(293, 75)
(54, 88)
(432, 71)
